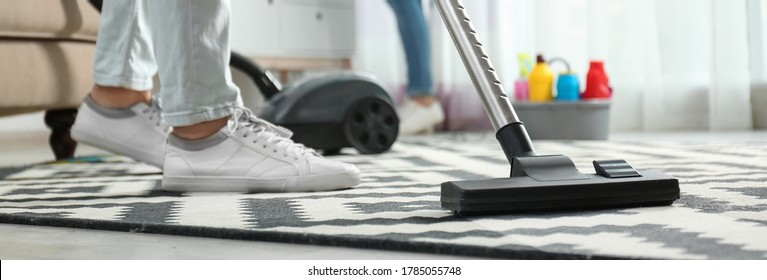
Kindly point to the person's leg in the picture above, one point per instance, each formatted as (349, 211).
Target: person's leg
(191, 41)
(124, 62)
(216, 144)
(421, 110)
(118, 114)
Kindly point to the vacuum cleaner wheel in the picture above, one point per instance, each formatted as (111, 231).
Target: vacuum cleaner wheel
(371, 125)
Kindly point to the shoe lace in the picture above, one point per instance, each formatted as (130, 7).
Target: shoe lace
(154, 112)
(243, 118)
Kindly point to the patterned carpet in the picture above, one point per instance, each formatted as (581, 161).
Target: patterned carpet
(722, 213)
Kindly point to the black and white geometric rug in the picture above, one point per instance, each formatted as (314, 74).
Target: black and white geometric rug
(722, 213)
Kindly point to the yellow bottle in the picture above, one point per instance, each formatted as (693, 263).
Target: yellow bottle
(541, 82)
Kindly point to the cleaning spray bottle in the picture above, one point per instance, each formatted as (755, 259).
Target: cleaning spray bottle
(541, 81)
(522, 85)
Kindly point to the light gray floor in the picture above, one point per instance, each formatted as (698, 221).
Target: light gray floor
(23, 140)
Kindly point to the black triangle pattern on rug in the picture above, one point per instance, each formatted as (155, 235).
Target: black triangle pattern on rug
(722, 213)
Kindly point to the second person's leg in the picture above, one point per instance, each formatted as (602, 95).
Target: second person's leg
(421, 110)
(415, 40)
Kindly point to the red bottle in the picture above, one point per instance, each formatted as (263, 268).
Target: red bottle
(597, 83)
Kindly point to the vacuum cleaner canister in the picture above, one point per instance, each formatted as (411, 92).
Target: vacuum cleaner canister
(327, 111)
(335, 110)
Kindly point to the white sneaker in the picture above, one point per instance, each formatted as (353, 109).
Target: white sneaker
(415, 118)
(251, 155)
(137, 132)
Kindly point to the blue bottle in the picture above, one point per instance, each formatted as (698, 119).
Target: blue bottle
(568, 88)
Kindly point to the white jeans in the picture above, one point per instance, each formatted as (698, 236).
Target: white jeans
(187, 41)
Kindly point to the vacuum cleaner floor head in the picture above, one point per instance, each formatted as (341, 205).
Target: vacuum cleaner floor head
(525, 194)
(552, 183)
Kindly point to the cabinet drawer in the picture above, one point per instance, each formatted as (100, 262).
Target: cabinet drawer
(309, 27)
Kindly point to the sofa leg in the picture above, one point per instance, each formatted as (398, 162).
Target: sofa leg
(60, 121)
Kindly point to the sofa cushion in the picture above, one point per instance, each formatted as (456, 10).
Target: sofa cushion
(40, 74)
(46, 19)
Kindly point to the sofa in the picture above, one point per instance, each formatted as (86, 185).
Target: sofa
(46, 62)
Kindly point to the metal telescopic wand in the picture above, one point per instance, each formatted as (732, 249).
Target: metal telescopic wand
(510, 131)
(477, 63)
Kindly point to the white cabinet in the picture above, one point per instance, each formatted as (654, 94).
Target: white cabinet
(254, 27)
(321, 29)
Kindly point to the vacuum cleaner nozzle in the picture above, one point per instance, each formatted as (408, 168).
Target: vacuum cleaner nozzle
(552, 183)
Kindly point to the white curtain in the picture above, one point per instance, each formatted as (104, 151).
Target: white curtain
(673, 64)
